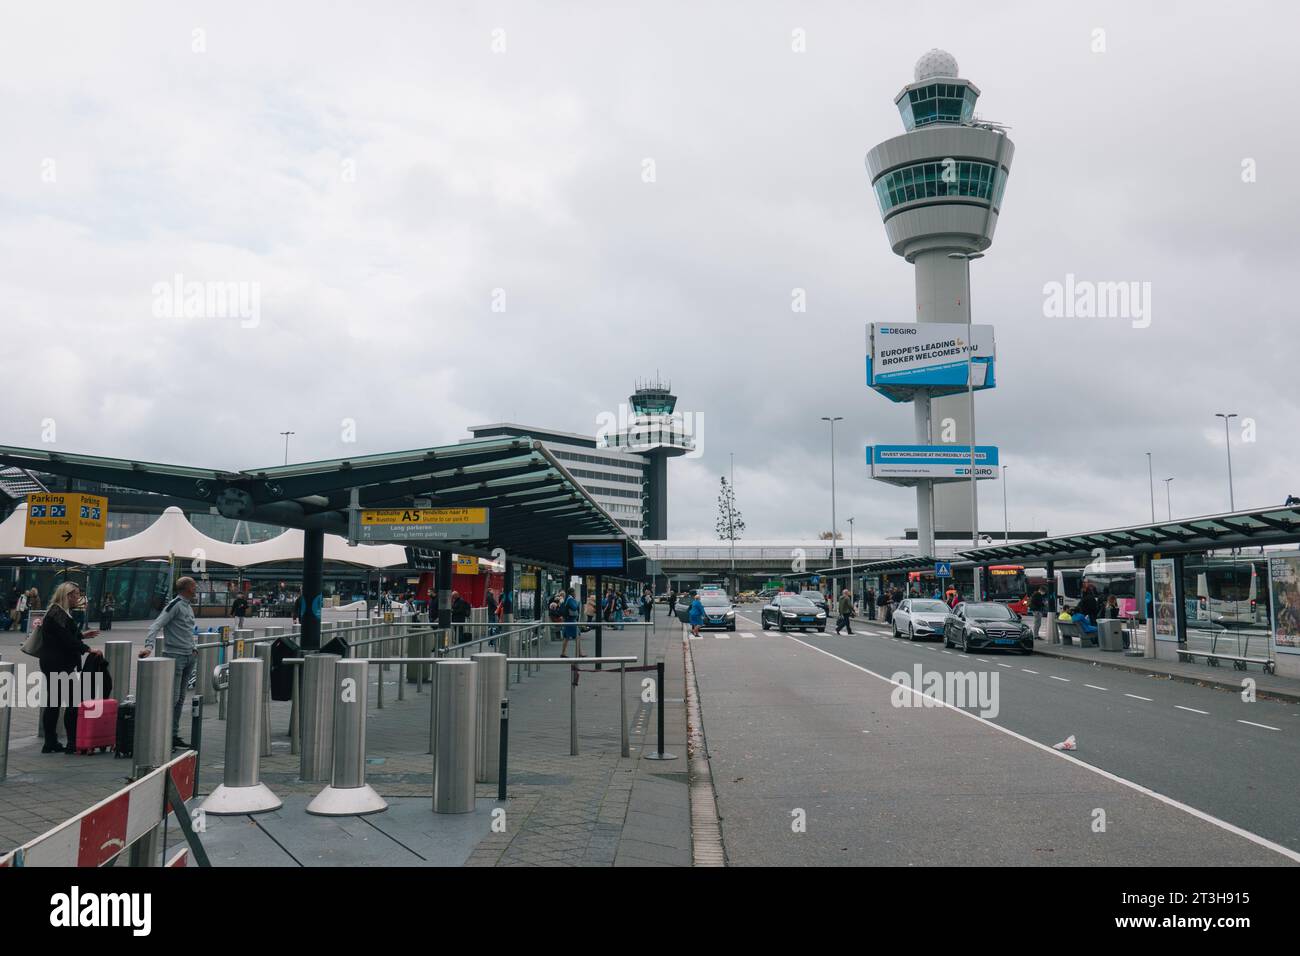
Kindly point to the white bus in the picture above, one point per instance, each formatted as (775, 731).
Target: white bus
(1233, 593)
(1108, 577)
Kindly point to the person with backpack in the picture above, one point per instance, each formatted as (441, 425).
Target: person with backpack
(176, 625)
(60, 643)
(569, 614)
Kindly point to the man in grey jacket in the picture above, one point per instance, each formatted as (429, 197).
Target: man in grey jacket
(176, 622)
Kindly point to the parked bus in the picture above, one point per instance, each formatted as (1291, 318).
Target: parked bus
(1233, 592)
(1005, 584)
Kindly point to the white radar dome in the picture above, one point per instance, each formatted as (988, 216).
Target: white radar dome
(935, 63)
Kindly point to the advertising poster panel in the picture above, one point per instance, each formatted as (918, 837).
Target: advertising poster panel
(1164, 603)
(1284, 584)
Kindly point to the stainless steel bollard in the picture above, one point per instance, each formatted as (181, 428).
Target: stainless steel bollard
(493, 671)
(155, 680)
(6, 708)
(153, 739)
(295, 711)
(455, 731)
(242, 790)
(573, 711)
(348, 793)
(316, 759)
(207, 662)
(264, 655)
(246, 635)
(118, 656)
(622, 708)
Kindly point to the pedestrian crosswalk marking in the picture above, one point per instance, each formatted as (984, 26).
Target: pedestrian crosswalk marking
(746, 634)
(723, 637)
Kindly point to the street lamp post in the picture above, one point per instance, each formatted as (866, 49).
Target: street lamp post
(1227, 439)
(1006, 525)
(286, 445)
(1169, 502)
(837, 418)
(1151, 483)
(731, 525)
(853, 588)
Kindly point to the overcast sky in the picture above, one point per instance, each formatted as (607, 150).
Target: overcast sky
(377, 170)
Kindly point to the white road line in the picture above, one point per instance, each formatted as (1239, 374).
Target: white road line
(1136, 697)
(981, 660)
(1253, 724)
(1062, 679)
(1007, 666)
(1094, 686)
(1192, 709)
(746, 634)
(948, 652)
(1028, 671)
(1062, 755)
(723, 637)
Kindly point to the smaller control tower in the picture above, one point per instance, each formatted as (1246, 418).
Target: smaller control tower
(654, 430)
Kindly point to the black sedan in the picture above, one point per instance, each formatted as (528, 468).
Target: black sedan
(718, 610)
(790, 611)
(986, 626)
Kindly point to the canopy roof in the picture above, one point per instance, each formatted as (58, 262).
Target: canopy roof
(172, 534)
(1237, 529)
(535, 504)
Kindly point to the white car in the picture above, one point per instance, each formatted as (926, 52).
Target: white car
(920, 618)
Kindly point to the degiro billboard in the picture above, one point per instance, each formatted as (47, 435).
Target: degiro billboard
(905, 356)
(905, 464)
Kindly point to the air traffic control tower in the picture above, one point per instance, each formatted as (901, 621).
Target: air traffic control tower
(939, 187)
(654, 430)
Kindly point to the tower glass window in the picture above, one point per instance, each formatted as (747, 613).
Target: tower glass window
(970, 179)
(950, 103)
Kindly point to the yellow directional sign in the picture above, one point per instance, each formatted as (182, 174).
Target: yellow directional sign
(66, 520)
(422, 524)
(374, 516)
(466, 564)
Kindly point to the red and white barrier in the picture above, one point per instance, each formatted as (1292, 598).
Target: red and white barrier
(95, 836)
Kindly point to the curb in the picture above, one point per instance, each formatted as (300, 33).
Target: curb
(706, 830)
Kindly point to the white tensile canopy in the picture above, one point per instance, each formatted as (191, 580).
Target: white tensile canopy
(172, 534)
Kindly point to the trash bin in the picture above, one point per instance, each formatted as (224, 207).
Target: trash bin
(282, 673)
(1110, 634)
(336, 645)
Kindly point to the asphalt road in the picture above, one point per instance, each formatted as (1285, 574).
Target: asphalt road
(788, 725)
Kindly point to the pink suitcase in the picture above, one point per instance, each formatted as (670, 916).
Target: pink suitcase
(95, 733)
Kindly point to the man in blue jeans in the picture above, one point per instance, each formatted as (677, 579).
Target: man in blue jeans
(176, 622)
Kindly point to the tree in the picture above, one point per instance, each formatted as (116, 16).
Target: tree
(730, 524)
(826, 536)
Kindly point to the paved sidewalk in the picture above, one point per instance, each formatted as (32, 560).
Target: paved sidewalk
(595, 809)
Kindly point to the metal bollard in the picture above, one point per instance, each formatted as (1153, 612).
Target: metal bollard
(6, 708)
(264, 655)
(348, 794)
(316, 758)
(622, 707)
(153, 739)
(208, 658)
(455, 730)
(295, 711)
(244, 649)
(196, 735)
(118, 656)
(659, 714)
(493, 671)
(242, 790)
(573, 710)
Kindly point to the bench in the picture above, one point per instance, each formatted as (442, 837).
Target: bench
(1070, 630)
(1239, 661)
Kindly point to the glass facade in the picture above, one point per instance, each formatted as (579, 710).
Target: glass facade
(975, 180)
(950, 103)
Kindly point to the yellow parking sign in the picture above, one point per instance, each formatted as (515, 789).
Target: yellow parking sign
(65, 520)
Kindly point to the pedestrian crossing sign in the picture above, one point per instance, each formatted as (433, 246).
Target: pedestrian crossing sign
(943, 569)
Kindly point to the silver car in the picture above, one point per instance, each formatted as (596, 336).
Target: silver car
(920, 618)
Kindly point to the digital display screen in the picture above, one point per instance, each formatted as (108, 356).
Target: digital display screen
(597, 556)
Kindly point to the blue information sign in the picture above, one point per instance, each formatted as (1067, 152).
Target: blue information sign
(943, 569)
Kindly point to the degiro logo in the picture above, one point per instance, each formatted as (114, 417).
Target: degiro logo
(103, 909)
(896, 331)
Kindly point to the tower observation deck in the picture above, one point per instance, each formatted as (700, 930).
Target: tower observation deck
(939, 187)
(653, 428)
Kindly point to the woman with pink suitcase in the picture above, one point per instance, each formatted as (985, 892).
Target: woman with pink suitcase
(60, 644)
